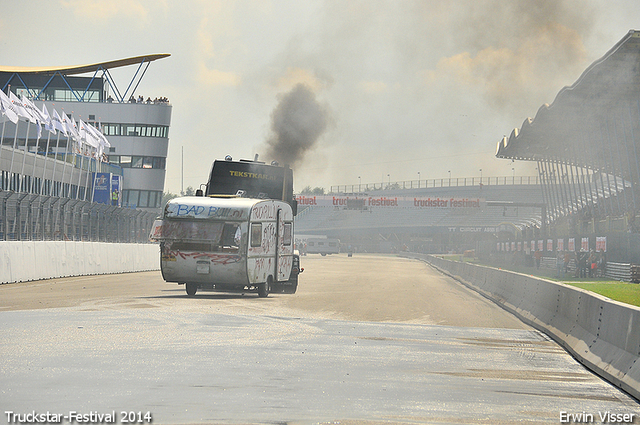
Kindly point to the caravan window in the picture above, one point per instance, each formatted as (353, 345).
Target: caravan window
(231, 234)
(287, 233)
(200, 235)
(256, 234)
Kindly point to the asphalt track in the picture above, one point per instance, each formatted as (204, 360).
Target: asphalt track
(368, 339)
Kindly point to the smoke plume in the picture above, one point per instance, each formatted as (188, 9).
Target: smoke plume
(296, 125)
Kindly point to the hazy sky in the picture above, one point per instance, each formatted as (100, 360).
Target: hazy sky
(404, 87)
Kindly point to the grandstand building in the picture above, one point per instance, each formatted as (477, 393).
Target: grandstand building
(586, 197)
(75, 149)
(450, 217)
(136, 128)
(587, 148)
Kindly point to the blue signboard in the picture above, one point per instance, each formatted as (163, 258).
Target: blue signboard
(102, 188)
(107, 189)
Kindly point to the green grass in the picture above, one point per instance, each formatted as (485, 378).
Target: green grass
(625, 292)
(628, 293)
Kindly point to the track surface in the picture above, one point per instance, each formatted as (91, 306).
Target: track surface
(367, 339)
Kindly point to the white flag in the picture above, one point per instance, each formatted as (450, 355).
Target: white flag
(48, 124)
(58, 124)
(103, 138)
(33, 109)
(8, 110)
(86, 135)
(20, 109)
(72, 128)
(97, 134)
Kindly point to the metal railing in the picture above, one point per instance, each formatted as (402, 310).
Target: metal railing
(32, 217)
(431, 183)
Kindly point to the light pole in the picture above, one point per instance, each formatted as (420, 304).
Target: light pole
(418, 179)
(389, 177)
(359, 184)
(514, 175)
(449, 178)
(481, 176)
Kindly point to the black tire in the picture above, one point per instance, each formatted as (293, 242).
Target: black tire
(191, 288)
(264, 288)
(293, 288)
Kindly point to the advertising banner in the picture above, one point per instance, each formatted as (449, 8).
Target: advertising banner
(601, 243)
(107, 189)
(116, 190)
(585, 244)
(367, 202)
(102, 188)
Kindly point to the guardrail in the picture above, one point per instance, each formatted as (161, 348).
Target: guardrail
(24, 261)
(602, 334)
(613, 271)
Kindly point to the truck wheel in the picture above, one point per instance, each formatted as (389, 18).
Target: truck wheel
(192, 288)
(264, 288)
(293, 288)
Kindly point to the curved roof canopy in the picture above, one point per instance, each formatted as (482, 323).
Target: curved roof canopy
(83, 69)
(593, 123)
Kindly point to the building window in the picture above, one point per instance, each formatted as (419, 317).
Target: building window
(144, 199)
(136, 162)
(138, 130)
(146, 162)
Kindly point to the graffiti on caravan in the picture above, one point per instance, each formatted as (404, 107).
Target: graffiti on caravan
(384, 202)
(200, 211)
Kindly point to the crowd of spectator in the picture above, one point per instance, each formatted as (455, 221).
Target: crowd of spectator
(140, 99)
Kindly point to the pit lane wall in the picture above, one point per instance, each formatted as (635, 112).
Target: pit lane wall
(22, 261)
(602, 334)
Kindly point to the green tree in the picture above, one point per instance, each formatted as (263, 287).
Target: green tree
(315, 191)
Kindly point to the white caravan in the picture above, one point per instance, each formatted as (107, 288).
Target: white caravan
(323, 246)
(227, 243)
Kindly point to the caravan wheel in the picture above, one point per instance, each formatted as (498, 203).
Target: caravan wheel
(191, 288)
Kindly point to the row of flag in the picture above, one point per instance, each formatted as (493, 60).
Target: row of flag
(12, 108)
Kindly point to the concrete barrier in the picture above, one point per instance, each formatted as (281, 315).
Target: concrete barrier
(34, 260)
(602, 334)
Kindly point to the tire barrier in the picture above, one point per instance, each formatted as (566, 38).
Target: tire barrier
(602, 334)
(35, 260)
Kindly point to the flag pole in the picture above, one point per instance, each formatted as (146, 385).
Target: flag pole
(4, 123)
(24, 155)
(35, 159)
(44, 167)
(13, 151)
(55, 163)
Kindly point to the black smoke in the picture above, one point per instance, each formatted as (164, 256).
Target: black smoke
(297, 123)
